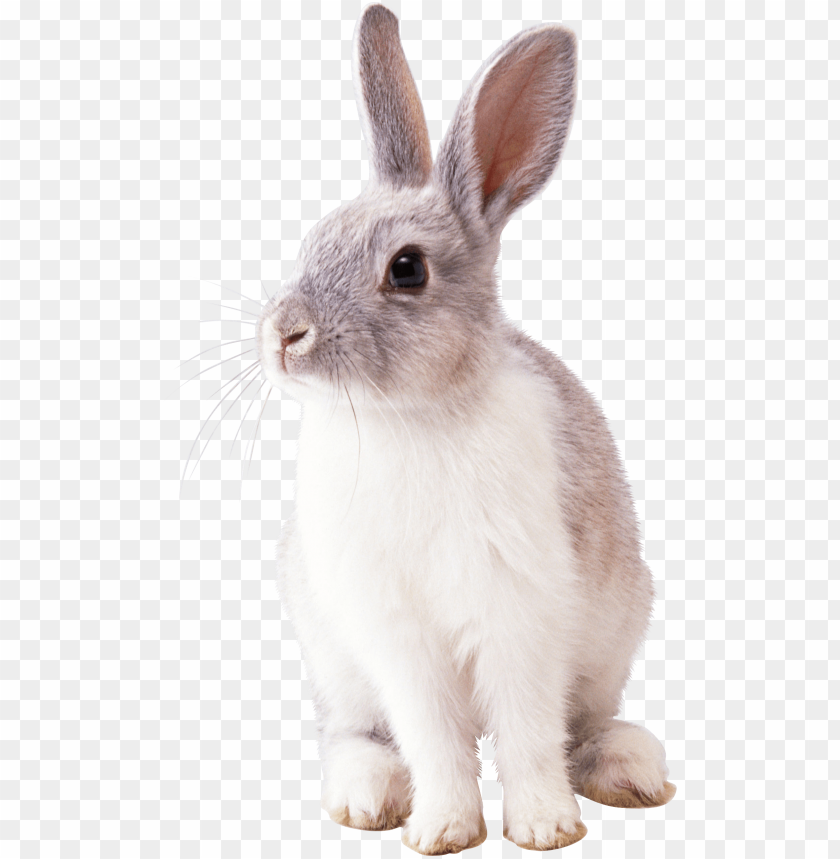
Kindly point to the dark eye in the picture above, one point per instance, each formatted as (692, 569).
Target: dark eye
(407, 271)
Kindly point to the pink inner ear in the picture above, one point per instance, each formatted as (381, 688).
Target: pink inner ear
(508, 116)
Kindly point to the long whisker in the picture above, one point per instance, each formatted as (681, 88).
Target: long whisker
(229, 289)
(396, 441)
(236, 292)
(217, 346)
(233, 379)
(240, 321)
(364, 389)
(268, 297)
(349, 374)
(215, 408)
(393, 409)
(408, 435)
(232, 357)
(237, 309)
(253, 400)
(254, 439)
(219, 423)
(359, 453)
(363, 357)
(337, 393)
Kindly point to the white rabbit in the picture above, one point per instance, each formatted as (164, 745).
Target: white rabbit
(465, 555)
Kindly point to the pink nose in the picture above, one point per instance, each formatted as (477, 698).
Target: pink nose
(292, 338)
(287, 340)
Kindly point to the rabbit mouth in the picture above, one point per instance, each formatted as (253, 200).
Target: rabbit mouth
(282, 345)
(286, 366)
(282, 373)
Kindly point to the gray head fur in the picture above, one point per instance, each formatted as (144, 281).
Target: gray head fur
(337, 322)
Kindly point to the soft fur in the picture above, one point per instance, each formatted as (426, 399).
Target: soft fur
(465, 555)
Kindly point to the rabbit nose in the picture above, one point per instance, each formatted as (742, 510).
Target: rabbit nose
(287, 340)
(292, 337)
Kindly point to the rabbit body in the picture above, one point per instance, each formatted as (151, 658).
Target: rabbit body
(464, 558)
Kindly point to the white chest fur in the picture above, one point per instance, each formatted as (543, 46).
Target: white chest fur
(433, 517)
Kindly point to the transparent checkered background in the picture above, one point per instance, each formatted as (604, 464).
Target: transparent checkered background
(156, 156)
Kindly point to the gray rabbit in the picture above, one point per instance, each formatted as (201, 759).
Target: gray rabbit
(465, 555)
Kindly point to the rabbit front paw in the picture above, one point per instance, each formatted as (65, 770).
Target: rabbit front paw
(436, 835)
(544, 831)
(367, 788)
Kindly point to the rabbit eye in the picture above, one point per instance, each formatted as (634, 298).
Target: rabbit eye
(407, 270)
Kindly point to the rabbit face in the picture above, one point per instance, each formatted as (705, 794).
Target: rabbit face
(344, 319)
(394, 293)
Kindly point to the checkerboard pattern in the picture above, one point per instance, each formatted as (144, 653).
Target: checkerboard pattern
(161, 161)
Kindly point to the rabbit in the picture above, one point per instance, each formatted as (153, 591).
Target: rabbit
(464, 557)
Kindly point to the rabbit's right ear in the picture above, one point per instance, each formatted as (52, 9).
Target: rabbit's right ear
(389, 104)
(510, 126)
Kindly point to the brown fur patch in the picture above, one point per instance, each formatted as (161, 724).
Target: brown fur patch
(388, 818)
(442, 847)
(629, 797)
(562, 839)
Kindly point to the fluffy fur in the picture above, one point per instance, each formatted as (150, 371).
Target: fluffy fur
(465, 555)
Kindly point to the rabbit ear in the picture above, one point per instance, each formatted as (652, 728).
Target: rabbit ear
(510, 125)
(389, 104)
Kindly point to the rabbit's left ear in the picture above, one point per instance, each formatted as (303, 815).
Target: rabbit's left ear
(510, 126)
(389, 104)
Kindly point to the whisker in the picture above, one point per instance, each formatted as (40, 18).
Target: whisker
(259, 419)
(408, 435)
(336, 326)
(240, 321)
(236, 292)
(359, 453)
(396, 412)
(365, 357)
(402, 400)
(219, 423)
(232, 357)
(217, 406)
(233, 379)
(338, 378)
(217, 346)
(399, 446)
(220, 284)
(268, 297)
(336, 391)
(237, 309)
(364, 389)
(217, 321)
(349, 374)
(337, 396)
(344, 316)
(253, 400)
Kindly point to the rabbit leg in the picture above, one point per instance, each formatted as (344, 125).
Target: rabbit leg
(427, 705)
(366, 783)
(622, 765)
(525, 693)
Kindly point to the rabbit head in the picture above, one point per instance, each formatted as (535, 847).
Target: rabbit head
(395, 292)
